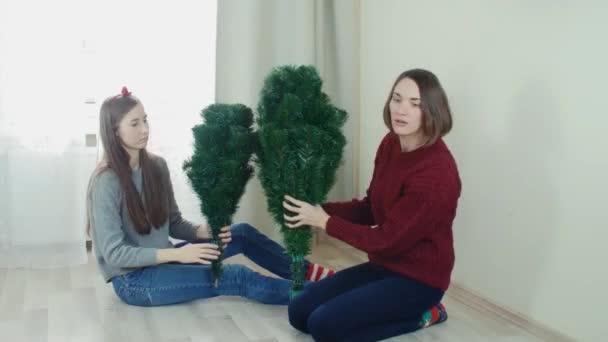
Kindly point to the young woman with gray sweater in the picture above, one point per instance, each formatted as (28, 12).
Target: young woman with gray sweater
(132, 212)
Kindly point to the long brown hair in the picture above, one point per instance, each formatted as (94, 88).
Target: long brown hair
(153, 209)
(436, 113)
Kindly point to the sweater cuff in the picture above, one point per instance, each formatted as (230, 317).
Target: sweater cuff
(192, 230)
(147, 257)
(184, 230)
(327, 207)
(333, 228)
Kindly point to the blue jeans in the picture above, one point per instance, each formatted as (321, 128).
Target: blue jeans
(177, 283)
(363, 303)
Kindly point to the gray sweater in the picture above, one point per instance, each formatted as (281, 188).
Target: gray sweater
(118, 247)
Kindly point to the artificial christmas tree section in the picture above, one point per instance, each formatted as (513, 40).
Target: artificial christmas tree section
(300, 149)
(220, 168)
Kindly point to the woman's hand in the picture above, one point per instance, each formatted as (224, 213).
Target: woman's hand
(307, 214)
(204, 233)
(196, 253)
(225, 236)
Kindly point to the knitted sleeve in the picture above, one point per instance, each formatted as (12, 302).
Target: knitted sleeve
(430, 197)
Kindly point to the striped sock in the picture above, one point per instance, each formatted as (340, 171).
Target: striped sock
(435, 315)
(317, 272)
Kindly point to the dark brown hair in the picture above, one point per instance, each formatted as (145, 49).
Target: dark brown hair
(436, 113)
(153, 209)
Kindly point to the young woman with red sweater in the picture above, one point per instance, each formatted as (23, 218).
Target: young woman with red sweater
(404, 224)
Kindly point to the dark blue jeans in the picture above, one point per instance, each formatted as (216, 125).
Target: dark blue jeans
(363, 303)
(176, 283)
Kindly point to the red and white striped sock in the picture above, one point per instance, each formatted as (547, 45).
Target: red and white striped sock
(317, 272)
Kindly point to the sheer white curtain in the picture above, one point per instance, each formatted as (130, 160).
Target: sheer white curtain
(255, 36)
(43, 164)
(59, 60)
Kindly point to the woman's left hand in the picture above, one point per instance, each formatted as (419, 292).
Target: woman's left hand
(307, 214)
(225, 235)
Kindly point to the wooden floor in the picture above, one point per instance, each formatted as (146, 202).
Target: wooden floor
(74, 304)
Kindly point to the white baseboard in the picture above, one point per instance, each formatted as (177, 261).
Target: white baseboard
(479, 303)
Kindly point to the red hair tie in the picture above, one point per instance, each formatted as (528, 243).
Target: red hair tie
(125, 92)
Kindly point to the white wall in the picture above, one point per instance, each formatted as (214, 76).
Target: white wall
(527, 85)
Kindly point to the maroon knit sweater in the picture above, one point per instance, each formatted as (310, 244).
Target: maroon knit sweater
(405, 222)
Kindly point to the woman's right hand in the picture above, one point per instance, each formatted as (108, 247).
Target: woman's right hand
(197, 253)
